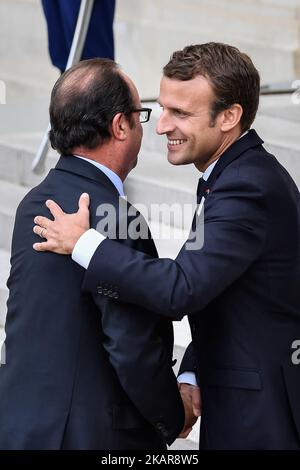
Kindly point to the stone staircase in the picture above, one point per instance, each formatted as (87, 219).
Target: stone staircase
(267, 29)
(28, 79)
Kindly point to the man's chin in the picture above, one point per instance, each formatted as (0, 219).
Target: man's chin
(176, 160)
(134, 164)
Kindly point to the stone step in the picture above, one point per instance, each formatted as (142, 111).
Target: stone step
(267, 30)
(23, 34)
(264, 29)
(10, 196)
(4, 272)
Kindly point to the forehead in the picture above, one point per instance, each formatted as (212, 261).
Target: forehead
(188, 94)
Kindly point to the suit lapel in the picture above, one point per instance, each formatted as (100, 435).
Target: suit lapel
(250, 140)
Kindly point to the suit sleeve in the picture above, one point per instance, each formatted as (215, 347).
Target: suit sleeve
(234, 237)
(143, 363)
(140, 346)
(188, 363)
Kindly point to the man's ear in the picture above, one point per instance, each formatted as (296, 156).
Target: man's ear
(120, 126)
(231, 117)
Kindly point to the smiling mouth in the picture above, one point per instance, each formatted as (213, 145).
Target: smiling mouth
(176, 141)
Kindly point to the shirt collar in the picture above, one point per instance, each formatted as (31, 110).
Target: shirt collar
(210, 168)
(114, 178)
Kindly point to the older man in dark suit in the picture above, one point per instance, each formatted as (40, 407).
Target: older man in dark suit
(84, 372)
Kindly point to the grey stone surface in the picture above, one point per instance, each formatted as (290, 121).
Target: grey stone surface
(267, 29)
(4, 271)
(10, 196)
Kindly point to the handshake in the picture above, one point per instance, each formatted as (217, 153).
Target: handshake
(191, 398)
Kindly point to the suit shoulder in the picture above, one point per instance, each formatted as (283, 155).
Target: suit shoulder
(116, 218)
(261, 169)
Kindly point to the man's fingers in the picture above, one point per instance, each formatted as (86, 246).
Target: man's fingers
(54, 208)
(41, 231)
(42, 222)
(46, 246)
(196, 401)
(49, 246)
(184, 433)
(84, 202)
(83, 211)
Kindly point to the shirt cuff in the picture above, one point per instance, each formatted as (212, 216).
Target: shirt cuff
(86, 246)
(187, 378)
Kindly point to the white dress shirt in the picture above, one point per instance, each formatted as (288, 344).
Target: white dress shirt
(114, 178)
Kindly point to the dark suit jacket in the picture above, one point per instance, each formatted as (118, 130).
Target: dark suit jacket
(242, 293)
(81, 371)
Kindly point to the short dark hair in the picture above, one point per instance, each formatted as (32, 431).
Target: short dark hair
(84, 101)
(231, 73)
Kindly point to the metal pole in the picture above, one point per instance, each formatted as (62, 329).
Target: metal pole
(83, 21)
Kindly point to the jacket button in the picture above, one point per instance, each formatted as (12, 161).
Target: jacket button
(99, 290)
(116, 295)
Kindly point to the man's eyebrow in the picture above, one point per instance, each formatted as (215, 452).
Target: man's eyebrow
(176, 109)
(181, 110)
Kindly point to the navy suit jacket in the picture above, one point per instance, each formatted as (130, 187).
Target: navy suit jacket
(242, 293)
(81, 371)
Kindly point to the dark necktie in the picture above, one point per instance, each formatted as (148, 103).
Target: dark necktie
(200, 189)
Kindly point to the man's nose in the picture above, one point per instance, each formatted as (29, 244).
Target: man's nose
(164, 124)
